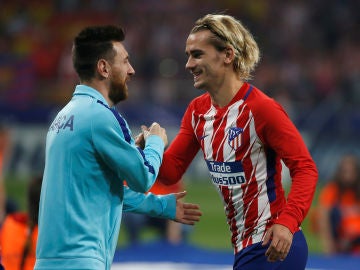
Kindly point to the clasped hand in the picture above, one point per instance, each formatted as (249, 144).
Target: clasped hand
(154, 129)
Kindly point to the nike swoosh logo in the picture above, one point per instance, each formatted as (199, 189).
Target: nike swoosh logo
(203, 137)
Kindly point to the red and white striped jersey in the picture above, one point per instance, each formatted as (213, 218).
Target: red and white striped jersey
(243, 145)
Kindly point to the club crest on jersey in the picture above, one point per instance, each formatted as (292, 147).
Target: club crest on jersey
(234, 138)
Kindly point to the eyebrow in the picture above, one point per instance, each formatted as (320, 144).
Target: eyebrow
(126, 56)
(193, 51)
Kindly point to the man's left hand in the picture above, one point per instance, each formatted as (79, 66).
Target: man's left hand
(186, 213)
(280, 239)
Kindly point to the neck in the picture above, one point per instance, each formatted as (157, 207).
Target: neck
(223, 95)
(101, 88)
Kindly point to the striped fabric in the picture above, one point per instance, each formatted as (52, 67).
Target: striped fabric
(243, 144)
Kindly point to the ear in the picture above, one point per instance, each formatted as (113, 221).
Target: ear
(229, 55)
(103, 68)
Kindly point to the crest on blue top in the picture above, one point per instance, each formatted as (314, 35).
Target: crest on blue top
(234, 138)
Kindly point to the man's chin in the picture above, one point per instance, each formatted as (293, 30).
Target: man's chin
(118, 99)
(198, 85)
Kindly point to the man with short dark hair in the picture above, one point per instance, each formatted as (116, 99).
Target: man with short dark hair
(89, 154)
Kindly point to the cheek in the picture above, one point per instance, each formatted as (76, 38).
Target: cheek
(211, 70)
(120, 76)
(119, 71)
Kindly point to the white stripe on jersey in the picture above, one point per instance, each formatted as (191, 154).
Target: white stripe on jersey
(258, 159)
(233, 195)
(232, 117)
(208, 132)
(235, 192)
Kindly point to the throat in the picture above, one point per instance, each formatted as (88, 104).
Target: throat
(223, 97)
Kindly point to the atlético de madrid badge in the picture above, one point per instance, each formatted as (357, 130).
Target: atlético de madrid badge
(234, 138)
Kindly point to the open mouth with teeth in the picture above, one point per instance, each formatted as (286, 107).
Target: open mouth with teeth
(196, 75)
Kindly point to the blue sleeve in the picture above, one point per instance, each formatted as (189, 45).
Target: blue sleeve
(162, 206)
(115, 146)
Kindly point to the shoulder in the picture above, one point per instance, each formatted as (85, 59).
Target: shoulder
(86, 109)
(103, 117)
(201, 103)
(109, 123)
(260, 101)
(265, 109)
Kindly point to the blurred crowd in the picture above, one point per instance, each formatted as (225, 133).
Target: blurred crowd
(310, 63)
(310, 60)
(337, 217)
(310, 52)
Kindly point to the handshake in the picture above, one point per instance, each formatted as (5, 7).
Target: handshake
(154, 129)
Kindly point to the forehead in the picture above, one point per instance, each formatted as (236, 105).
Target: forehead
(120, 49)
(198, 40)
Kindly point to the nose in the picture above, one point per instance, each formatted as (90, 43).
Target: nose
(189, 64)
(131, 70)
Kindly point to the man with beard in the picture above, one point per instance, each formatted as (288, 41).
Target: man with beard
(89, 154)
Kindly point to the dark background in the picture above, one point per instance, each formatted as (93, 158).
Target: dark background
(310, 62)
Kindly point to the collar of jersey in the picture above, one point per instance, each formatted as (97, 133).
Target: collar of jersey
(89, 91)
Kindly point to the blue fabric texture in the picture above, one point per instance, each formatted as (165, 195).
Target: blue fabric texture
(89, 154)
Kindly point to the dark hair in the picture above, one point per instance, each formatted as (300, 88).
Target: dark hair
(92, 44)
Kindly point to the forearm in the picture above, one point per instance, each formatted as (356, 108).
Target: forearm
(280, 134)
(304, 179)
(162, 206)
(143, 175)
(177, 158)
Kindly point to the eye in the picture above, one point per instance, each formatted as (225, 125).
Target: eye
(127, 60)
(197, 54)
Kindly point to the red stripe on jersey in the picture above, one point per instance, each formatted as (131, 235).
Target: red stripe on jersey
(230, 213)
(256, 133)
(218, 135)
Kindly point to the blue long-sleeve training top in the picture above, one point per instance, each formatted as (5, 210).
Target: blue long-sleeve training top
(89, 153)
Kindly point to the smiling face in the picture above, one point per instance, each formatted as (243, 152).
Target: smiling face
(205, 62)
(121, 71)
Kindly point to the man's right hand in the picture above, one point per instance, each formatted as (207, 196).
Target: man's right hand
(155, 129)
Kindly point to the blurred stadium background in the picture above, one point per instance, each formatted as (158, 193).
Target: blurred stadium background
(310, 64)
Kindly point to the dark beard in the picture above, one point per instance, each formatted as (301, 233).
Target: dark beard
(118, 93)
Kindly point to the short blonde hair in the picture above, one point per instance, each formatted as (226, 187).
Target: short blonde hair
(228, 31)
